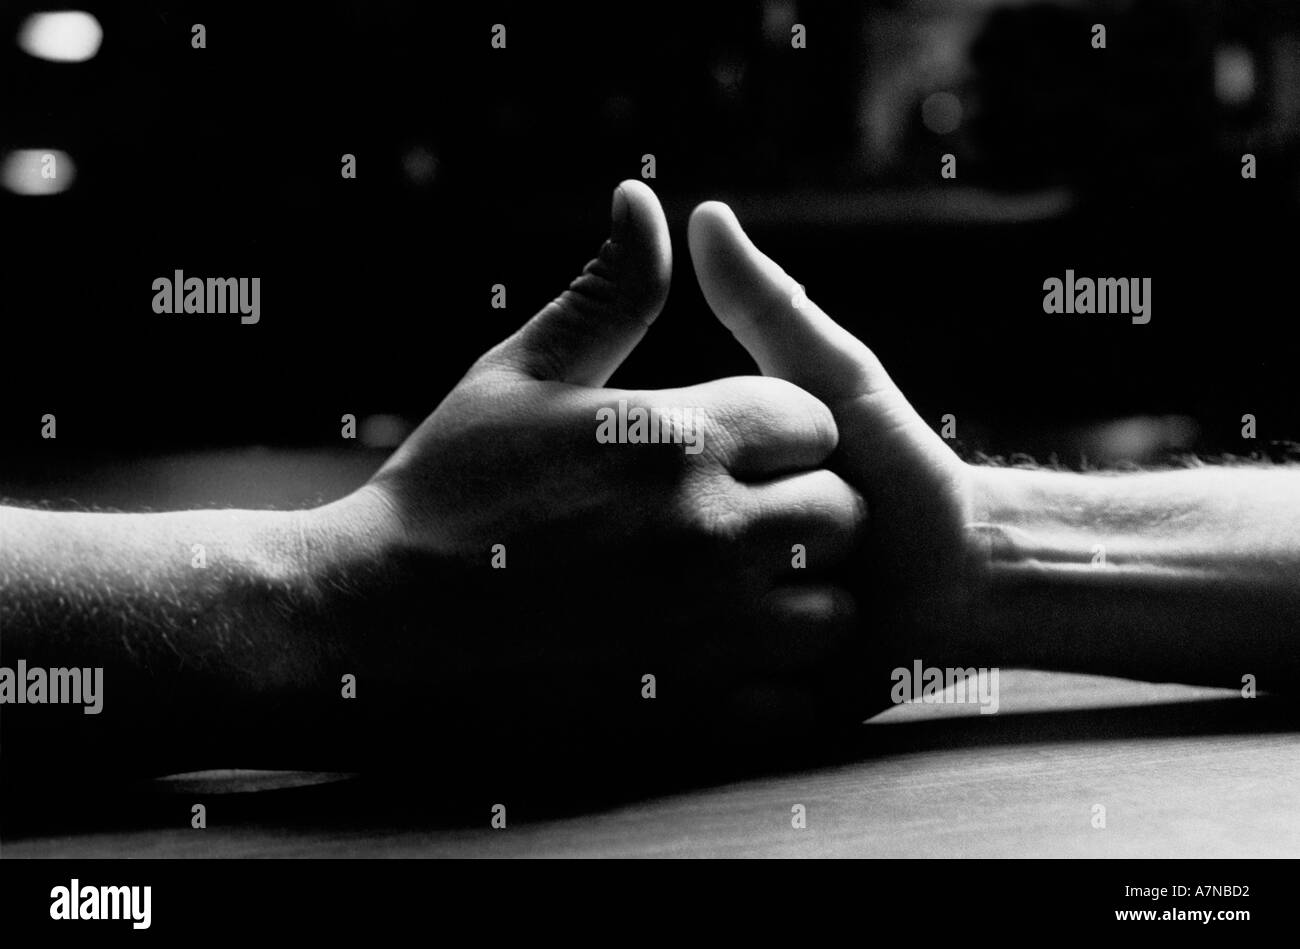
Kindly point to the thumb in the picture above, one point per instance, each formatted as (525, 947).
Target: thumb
(766, 310)
(584, 334)
(790, 337)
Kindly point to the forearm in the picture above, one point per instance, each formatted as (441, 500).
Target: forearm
(1187, 575)
(209, 627)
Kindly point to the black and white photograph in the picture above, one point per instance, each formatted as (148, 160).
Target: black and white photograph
(770, 429)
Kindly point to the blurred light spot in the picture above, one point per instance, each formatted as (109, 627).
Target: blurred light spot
(420, 165)
(383, 431)
(37, 171)
(941, 112)
(778, 18)
(729, 74)
(1141, 438)
(68, 36)
(239, 781)
(1234, 75)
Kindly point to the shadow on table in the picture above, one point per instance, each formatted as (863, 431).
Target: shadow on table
(550, 788)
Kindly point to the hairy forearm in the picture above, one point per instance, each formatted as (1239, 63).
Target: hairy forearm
(209, 627)
(1187, 575)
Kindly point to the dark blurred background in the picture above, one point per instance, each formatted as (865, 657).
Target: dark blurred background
(478, 166)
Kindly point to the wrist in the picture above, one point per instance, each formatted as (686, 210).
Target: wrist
(361, 528)
(1032, 555)
(1104, 573)
(326, 606)
(376, 590)
(967, 564)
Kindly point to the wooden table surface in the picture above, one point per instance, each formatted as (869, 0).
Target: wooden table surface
(1180, 772)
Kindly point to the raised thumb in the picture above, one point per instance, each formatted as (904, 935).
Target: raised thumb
(586, 332)
(790, 337)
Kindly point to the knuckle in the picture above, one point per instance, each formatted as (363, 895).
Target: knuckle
(812, 416)
(711, 522)
(776, 404)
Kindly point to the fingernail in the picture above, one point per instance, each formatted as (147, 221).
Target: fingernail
(618, 211)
